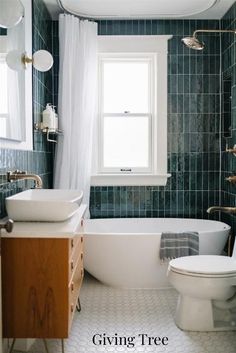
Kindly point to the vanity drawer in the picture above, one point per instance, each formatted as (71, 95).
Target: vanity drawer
(73, 242)
(74, 286)
(77, 255)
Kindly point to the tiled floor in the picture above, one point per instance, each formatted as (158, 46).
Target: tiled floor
(127, 313)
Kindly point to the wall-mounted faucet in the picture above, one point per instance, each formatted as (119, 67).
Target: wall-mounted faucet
(231, 150)
(231, 179)
(19, 175)
(230, 210)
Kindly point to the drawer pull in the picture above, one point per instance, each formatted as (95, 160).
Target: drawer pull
(72, 286)
(72, 243)
(81, 256)
(82, 239)
(72, 265)
(72, 308)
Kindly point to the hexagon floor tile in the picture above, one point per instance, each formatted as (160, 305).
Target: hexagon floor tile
(124, 313)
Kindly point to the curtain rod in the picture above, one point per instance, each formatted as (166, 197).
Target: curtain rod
(71, 12)
(77, 14)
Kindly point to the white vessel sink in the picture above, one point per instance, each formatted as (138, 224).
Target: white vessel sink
(43, 205)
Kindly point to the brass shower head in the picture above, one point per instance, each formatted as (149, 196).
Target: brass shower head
(196, 44)
(193, 43)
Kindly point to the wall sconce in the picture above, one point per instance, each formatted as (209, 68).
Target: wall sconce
(42, 60)
(11, 13)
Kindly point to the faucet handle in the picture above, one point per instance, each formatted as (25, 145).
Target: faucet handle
(17, 171)
(11, 175)
(8, 225)
(231, 179)
(231, 150)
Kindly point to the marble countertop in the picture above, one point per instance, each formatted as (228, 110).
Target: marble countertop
(65, 229)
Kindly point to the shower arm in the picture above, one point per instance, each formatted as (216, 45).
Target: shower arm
(214, 31)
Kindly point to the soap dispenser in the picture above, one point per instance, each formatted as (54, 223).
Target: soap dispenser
(49, 117)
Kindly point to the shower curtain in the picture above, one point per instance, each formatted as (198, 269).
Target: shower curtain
(76, 103)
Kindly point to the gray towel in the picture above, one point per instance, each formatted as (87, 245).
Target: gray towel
(178, 244)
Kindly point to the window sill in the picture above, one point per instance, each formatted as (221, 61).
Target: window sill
(129, 179)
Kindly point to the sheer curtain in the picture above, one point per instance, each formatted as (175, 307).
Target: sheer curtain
(76, 104)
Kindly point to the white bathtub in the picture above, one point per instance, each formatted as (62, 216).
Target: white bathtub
(124, 252)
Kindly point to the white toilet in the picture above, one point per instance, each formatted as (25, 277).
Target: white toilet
(207, 292)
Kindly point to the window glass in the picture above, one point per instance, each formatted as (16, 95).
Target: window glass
(126, 87)
(126, 142)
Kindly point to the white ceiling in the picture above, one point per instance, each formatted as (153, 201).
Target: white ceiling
(198, 9)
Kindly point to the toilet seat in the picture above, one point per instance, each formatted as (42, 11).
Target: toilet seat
(204, 266)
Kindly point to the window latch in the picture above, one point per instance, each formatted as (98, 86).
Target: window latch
(126, 170)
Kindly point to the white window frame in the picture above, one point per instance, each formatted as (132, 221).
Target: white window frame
(103, 58)
(154, 47)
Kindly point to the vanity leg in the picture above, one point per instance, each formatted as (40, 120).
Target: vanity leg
(62, 346)
(45, 345)
(12, 345)
(78, 306)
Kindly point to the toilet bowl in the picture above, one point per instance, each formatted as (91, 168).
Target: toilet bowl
(207, 292)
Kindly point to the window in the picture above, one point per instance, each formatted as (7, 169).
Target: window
(126, 114)
(132, 111)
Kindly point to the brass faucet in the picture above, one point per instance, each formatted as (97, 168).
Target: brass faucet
(231, 150)
(17, 175)
(231, 179)
(230, 210)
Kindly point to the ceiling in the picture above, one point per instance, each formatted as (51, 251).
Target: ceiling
(195, 9)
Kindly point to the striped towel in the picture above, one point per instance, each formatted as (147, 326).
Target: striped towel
(178, 244)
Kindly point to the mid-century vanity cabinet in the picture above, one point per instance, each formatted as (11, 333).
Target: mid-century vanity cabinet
(41, 280)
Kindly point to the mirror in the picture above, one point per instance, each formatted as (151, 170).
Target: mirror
(16, 86)
(11, 13)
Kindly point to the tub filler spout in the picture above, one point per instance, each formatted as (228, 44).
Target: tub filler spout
(230, 210)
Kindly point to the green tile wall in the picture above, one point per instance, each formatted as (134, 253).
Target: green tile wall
(194, 136)
(55, 68)
(193, 129)
(40, 160)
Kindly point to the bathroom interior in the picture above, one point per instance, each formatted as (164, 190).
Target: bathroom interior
(117, 164)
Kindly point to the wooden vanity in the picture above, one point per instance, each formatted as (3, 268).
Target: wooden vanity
(42, 273)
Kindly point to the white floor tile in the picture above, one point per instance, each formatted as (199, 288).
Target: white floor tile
(130, 313)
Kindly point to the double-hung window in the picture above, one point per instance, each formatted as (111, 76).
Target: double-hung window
(126, 113)
(132, 111)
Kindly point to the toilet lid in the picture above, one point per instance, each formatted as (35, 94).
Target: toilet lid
(204, 265)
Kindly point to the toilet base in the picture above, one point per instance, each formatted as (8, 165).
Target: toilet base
(194, 314)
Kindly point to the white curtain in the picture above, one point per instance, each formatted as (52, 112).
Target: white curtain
(76, 103)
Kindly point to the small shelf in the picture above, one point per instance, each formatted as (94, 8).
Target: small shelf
(40, 128)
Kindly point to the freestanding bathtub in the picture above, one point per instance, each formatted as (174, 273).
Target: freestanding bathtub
(124, 252)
